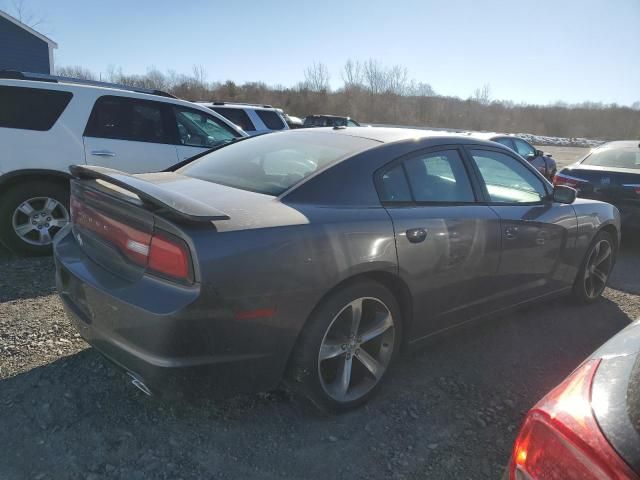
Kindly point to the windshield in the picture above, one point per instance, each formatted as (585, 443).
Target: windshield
(616, 157)
(273, 163)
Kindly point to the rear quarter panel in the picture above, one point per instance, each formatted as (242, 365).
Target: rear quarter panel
(592, 217)
(288, 268)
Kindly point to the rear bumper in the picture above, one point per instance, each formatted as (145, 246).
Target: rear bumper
(164, 335)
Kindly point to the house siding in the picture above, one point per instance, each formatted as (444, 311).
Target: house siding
(20, 50)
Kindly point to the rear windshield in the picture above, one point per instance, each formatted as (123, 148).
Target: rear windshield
(31, 108)
(273, 163)
(616, 157)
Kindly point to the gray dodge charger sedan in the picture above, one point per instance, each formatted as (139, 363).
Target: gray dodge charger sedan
(316, 256)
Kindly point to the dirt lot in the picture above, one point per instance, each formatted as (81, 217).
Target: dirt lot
(449, 411)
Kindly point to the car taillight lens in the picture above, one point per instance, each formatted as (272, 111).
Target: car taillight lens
(560, 438)
(169, 257)
(157, 252)
(563, 179)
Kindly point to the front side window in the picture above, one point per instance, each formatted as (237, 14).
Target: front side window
(197, 129)
(352, 123)
(123, 118)
(524, 149)
(271, 119)
(439, 177)
(237, 116)
(506, 179)
(271, 164)
(31, 108)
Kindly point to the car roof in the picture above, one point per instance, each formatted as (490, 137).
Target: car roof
(490, 135)
(621, 144)
(322, 115)
(249, 106)
(393, 134)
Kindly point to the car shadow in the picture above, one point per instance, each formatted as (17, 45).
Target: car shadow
(452, 406)
(625, 276)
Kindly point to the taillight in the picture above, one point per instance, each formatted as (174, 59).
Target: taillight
(159, 253)
(564, 179)
(169, 257)
(560, 438)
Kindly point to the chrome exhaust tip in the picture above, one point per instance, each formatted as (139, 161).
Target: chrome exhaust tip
(139, 384)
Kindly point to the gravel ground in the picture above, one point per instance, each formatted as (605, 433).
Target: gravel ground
(451, 410)
(564, 155)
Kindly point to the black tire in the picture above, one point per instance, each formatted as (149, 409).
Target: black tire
(304, 375)
(13, 198)
(581, 290)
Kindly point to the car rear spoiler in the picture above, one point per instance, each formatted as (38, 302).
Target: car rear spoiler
(182, 206)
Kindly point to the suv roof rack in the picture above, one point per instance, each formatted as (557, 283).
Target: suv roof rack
(43, 77)
(241, 103)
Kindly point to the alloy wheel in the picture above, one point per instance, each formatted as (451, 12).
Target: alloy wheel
(597, 269)
(356, 349)
(38, 219)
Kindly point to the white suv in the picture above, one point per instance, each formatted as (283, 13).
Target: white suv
(48, 123)
(255, 119)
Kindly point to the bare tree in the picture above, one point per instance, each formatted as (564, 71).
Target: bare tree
(397, 80)
(375, 76)
(483, 95)
(398, 101)
(420, 89)
(76, 71)
(22, 12)
(316, 77)
(352, 74)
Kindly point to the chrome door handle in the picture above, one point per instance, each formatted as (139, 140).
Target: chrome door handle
(103, 153)
(416, 235)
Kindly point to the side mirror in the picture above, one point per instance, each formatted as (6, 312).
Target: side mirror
(539, 153)
(564, 194)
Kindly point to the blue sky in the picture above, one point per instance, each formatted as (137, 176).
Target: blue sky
(528, 51)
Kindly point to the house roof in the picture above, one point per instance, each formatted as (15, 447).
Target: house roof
(42, 37)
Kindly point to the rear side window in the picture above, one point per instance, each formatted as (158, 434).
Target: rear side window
(237, 116)
(31, 108)
(271, 119)
(315, 122)
(394, 186)
(439, 177)
(122, 118)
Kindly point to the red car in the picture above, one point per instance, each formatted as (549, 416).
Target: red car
(588, 427)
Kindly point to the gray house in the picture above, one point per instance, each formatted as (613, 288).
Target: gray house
(24, 49)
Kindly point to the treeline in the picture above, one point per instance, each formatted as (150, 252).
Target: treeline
(374, 93)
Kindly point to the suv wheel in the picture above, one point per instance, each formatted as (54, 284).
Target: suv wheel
(347, 347)
(31, 214)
